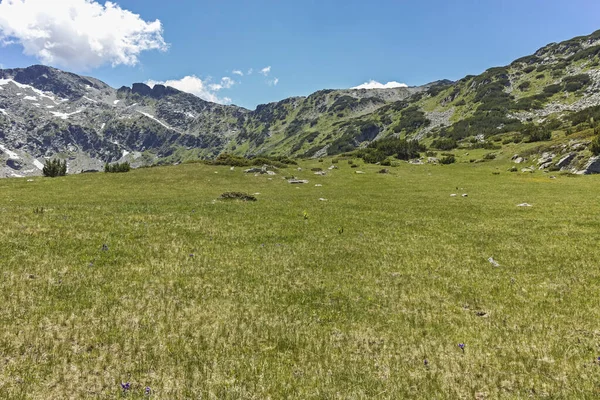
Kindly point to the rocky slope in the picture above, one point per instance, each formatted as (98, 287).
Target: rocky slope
(550, 97)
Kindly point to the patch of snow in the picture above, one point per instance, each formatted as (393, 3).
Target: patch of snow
(49, 106)
(157, 120)
(11, 154)
(125, 152)
(38, 165)
(13, 175)
(3, 111)
(30, 98)
(88, 99)
(116, 102)
(102, 126)
(36, 104)
(65, 115)
(189, 114)
(39, 92)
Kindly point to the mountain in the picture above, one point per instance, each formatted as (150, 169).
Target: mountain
(550, 95)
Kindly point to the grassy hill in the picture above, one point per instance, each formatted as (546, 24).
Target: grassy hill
(146, 278)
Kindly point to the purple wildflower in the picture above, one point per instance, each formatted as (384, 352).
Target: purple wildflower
(426, 362)
(125, 386)
(462, 346)
(147, 391)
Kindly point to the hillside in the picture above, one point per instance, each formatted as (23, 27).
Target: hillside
(549, 97)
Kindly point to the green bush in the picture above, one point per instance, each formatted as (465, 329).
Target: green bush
(117, 167)
(444, 144)
(54, 168)
(448, 160)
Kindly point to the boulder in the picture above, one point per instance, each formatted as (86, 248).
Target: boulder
(518, 160)
(297, 181)
(592, 166)
(545, 165)
(566, 160)
(384, 171)
(321, 173)
(14, 164)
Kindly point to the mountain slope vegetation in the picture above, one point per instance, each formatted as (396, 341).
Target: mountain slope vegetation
(45, 113)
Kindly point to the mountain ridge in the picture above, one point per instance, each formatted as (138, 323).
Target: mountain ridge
(46, 112)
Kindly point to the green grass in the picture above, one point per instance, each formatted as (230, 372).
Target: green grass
(199, 298)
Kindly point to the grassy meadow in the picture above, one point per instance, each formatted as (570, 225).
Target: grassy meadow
(144, 278)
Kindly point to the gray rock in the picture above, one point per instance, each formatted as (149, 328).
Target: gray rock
(518, 160)
(297, 181)
(592, 166)
(566, 160)
(14, 164)
(545, 165)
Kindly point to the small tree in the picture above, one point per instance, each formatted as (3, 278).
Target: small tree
(122, 167)
(53, 168)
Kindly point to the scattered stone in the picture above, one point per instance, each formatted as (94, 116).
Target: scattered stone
(518, 160)
(232, 169)
(416, 162)
(256, 194)
(465, 195)
(512, 169)
(237, 196)
(104, 247)
(493, 262)
(453, 195)
(482, 314)
(552, 177)
(524, 205)
(546, 158)
(321, 173)
(545, 165)
(297, 181)
(322, 199)
(332, 167)
(299, 169)
(358, 172)
(265, 169)
(432, 160)
(384, 171)
(318, 185)
(29, 180)
(530, 170)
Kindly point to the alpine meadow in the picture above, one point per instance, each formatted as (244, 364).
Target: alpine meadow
(382, 241)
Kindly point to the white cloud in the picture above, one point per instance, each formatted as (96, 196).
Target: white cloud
(377, 85)
(226, 83)
(266, 70)
(273, 82)
(80, 34)
(250, 71)
(196, 86)
(237, 72)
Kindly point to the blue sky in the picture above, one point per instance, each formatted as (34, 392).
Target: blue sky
(309, 45)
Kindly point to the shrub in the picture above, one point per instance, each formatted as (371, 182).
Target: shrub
(524, 86)
(116, 167)
(448, 160)
(489, 156)
(444, 144)
(54, 168)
